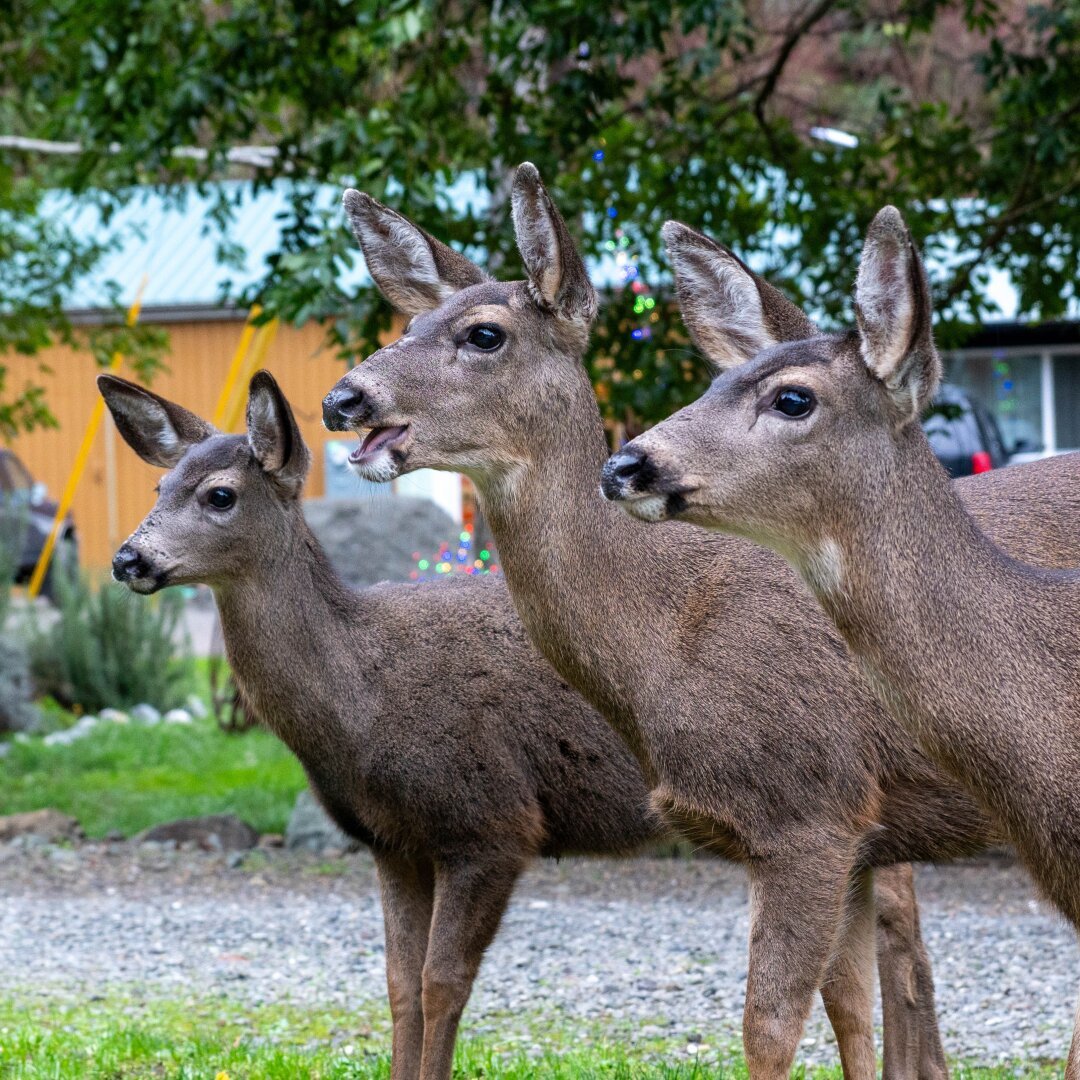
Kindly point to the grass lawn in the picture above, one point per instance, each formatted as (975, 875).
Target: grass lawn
(128, 777)
(124, 1039)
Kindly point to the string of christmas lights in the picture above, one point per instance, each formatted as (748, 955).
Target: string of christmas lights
(460, 561)
(627, 261)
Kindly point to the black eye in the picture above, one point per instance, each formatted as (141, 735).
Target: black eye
(793, 401)
(221, 498)
(486, 337)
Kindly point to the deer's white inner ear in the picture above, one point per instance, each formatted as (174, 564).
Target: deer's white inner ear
(412, 248)
(147, 417)
(886, 307)
(720, 303)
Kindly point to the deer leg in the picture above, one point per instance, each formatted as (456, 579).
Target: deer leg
(407, 888)
(470, 898)
(796, 908)
(912, 1038)
(848, 988)
(1072, 1065)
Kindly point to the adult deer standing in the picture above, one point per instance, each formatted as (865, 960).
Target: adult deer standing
(758, 733)
(428, 727)
(815, 448)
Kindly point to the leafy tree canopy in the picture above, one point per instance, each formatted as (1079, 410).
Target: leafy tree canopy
(966, 114)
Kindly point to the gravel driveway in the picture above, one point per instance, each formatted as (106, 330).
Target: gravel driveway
(645, 948)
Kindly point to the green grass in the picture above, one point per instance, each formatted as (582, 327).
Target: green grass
(128, 777)
(215, 1039)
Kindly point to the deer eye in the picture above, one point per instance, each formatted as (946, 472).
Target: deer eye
(221, 498)
(794, 402)
(486, 337)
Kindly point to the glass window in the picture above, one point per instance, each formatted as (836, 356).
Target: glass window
(1010, 389)
(1067, 400)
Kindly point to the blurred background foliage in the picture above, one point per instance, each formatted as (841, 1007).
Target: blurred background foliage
(966, 114)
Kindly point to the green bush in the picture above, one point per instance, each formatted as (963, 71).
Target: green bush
(109, 648)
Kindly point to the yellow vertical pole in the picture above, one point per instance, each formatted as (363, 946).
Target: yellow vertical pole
(254, 361)
(236, 366)
(77, 469)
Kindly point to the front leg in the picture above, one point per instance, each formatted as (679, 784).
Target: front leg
(797, 904)
(848, 987)
(912, 1038)
(407, 887)
(471, 895)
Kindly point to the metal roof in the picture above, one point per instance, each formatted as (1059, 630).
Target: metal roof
(175, 244)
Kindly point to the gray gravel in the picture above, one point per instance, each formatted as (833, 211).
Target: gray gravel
(643, 949)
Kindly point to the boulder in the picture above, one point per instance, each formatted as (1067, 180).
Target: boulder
(48, 825)
(310, 828)
(370, 540)
(17, 709)
(216, 832)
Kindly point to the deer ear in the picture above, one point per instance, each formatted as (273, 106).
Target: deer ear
(273, 434)
(892, 305)
(157, 430)
(412, 269)
(731, 312)
(557, 278)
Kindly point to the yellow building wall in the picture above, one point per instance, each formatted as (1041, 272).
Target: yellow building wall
(117, 488)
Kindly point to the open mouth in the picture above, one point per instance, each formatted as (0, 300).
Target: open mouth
(376, 440)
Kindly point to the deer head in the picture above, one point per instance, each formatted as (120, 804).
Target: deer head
(221, 508)
(482, 365)
(787, 429)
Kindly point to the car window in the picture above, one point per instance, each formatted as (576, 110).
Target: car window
(952, 435)
(19, 475)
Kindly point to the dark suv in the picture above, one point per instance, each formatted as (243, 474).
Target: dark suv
(26, 516)
(963, 433)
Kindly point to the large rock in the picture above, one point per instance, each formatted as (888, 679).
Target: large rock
(17, 709)
(370, 540)
(216, 832)
(49, 825)
(310, 828)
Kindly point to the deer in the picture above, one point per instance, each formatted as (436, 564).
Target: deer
(757, 733)
(428, 727)
(814, 448)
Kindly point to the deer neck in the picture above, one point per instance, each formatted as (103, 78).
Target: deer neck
(286, 623)
(585, 578)
(929, 605)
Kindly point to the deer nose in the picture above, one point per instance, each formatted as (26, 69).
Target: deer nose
(342, 408)
(128, 564)
(620, 470)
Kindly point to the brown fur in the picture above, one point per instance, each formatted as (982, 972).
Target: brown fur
(974, 652)
(761, 739)
(427, 725)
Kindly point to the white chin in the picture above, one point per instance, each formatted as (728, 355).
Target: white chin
(380, 469)
(144, 586)
(647, 507)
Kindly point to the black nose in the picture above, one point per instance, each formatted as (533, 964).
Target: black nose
(621, 469)
(128, 564)
(342, 408)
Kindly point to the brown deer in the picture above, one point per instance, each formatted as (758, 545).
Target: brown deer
(428, 727)
(757, 732)
(814, 447)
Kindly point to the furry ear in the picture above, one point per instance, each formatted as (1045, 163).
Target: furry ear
(157, 430)
(892, 305)
(412, 269)
(557, 278)
(731, 312)
(273, 434)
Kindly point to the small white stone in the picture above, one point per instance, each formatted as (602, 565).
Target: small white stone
(146, 714)
(177, 716)
(114, 716)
